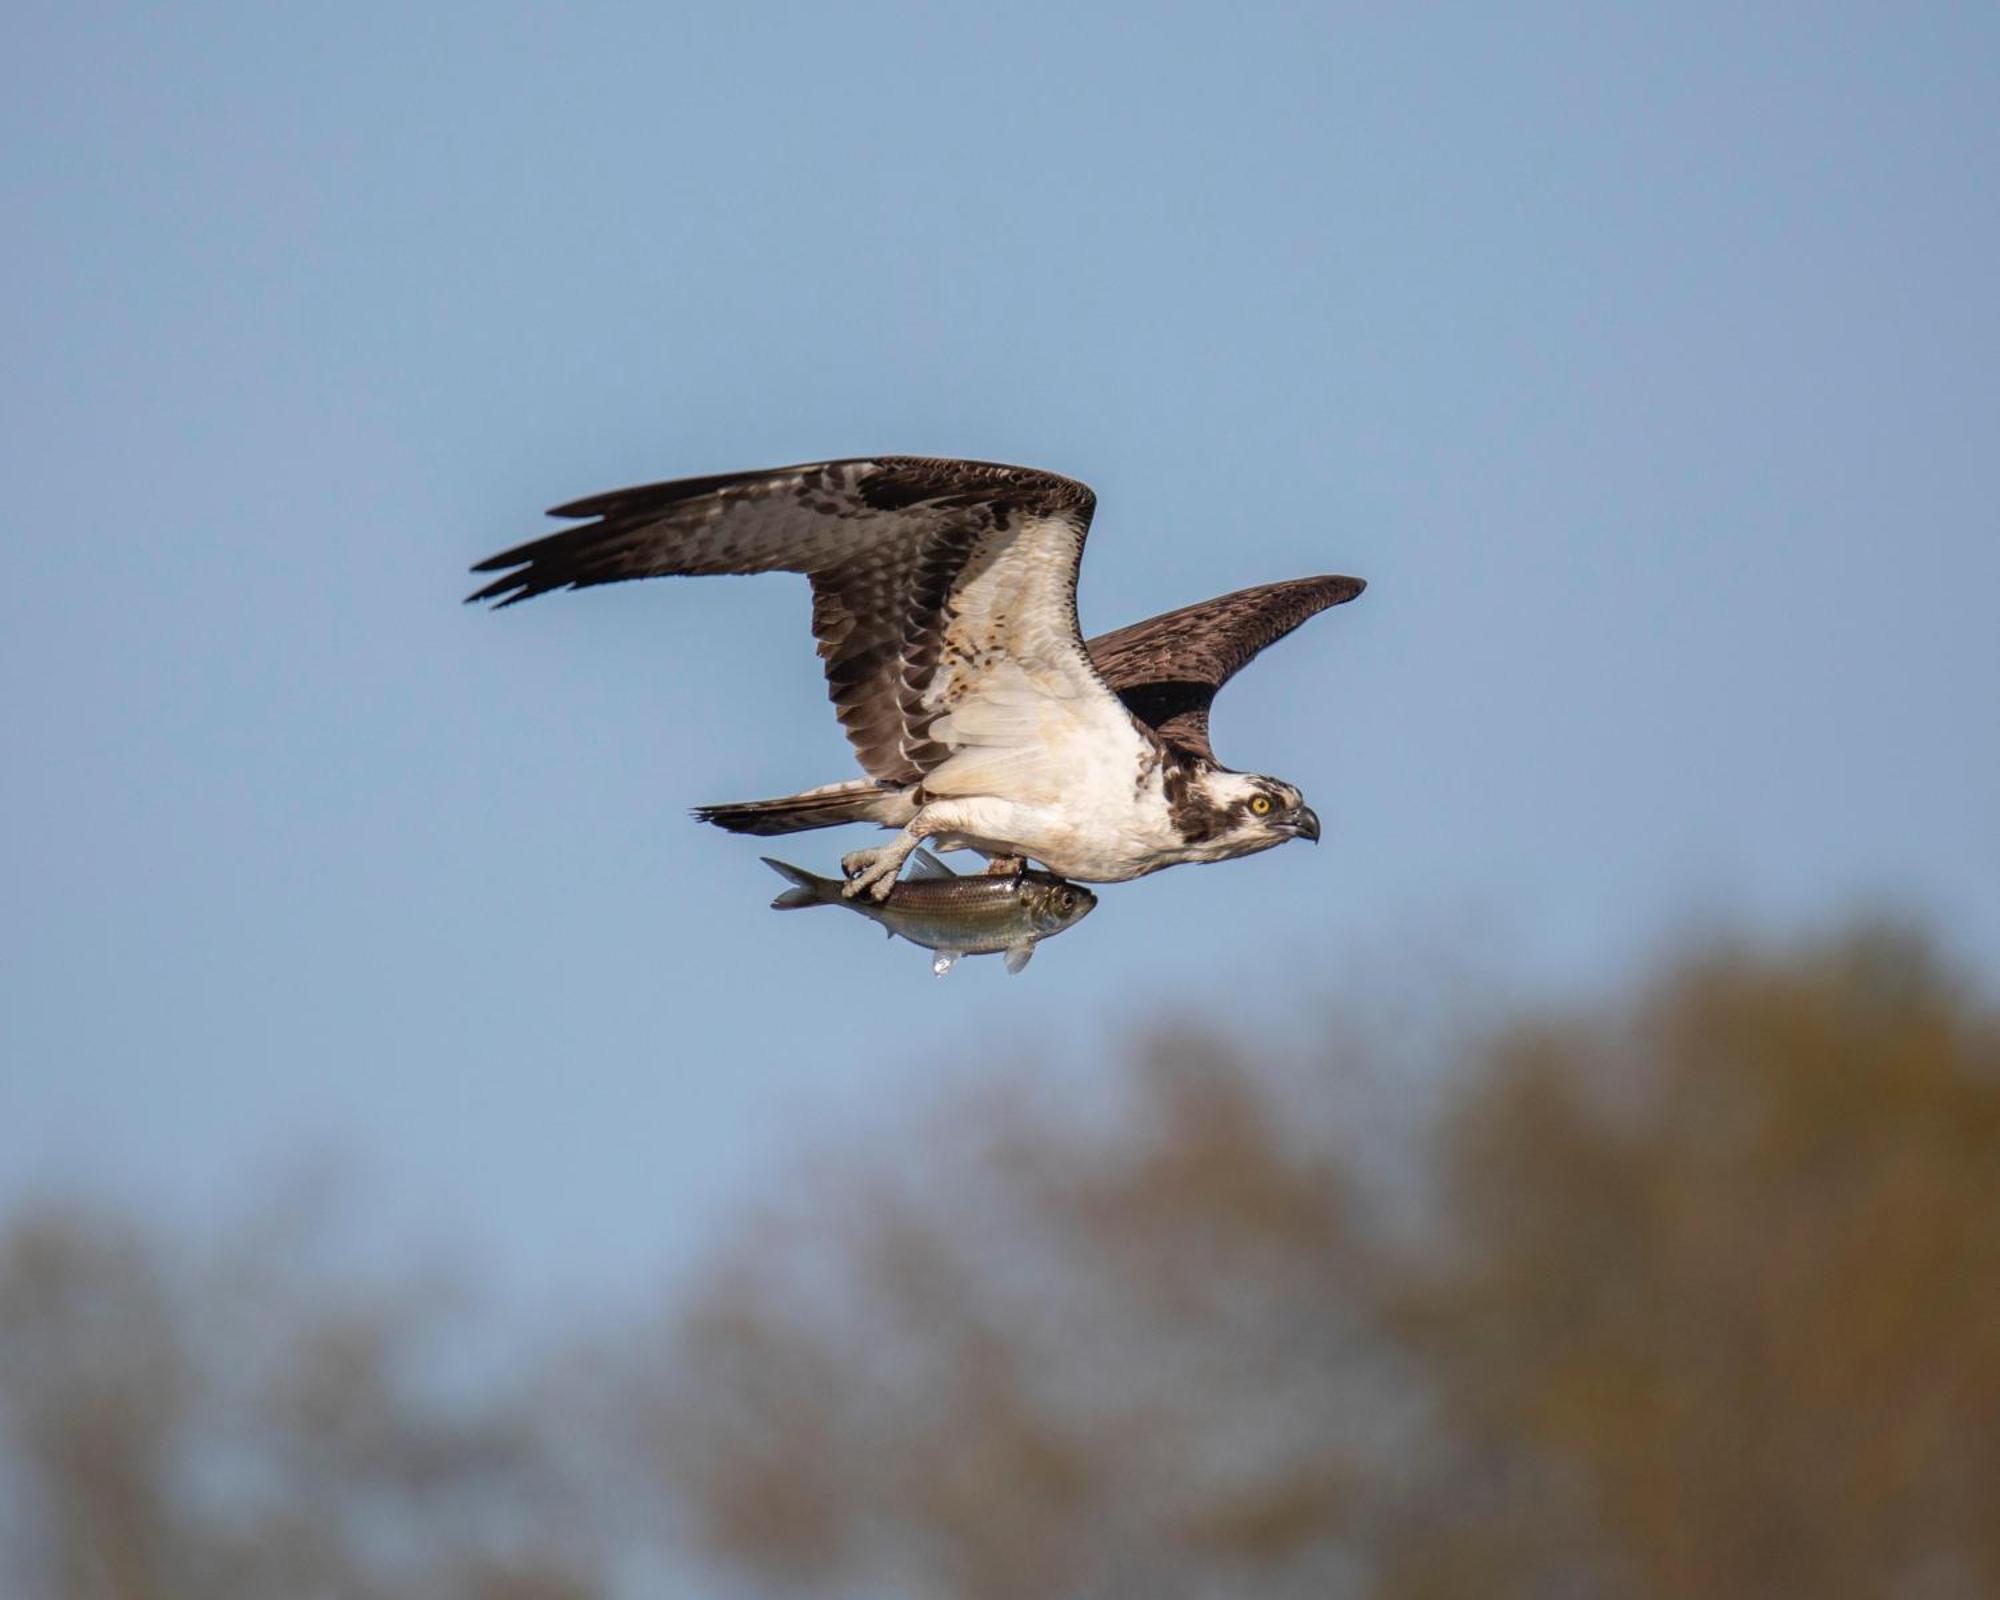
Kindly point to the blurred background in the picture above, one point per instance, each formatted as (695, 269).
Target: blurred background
(426, 1167)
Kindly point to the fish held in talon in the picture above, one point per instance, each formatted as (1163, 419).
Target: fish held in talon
(952, 915)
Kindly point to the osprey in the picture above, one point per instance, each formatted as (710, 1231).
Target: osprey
(944, 603)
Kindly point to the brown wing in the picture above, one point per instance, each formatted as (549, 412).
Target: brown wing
(1168, 668)
(890, 544)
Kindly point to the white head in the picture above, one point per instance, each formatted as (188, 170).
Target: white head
(1223, 814)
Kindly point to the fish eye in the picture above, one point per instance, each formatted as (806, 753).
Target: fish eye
(1260, 805)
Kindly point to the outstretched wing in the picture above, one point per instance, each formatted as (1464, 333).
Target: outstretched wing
(1168, 668)
(944, 600)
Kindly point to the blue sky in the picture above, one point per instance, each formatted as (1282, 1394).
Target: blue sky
(1644, 361)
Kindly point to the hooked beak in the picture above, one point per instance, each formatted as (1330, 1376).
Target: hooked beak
(1305, 825)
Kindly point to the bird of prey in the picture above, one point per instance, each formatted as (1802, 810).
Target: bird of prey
(944, 603)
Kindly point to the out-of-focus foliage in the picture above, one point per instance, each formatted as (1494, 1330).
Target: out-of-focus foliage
(1043, 1361)
(250, 1427)
(1700, 1295)
(1721, 1313)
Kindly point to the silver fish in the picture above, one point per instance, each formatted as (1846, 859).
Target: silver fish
(955, 916)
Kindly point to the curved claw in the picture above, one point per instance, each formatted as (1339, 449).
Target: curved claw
(882, 886)
(872, 871)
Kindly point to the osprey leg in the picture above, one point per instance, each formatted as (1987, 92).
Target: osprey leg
(874, 871)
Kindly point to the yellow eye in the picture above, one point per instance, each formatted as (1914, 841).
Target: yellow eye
(1260, 805)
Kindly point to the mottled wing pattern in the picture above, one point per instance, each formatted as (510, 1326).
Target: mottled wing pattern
(1012, 702)
(943, 591)
(1168, 668)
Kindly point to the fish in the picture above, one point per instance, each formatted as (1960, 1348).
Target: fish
(953, 915)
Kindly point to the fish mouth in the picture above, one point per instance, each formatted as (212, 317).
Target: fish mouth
(1301, 824)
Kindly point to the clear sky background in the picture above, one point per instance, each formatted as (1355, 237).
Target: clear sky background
(1646, 361)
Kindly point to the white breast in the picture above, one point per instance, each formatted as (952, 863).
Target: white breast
(1104, 826)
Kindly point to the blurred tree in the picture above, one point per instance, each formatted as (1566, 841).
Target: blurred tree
(1044, 1359)
(1722, 1312)
(246, 1429)
(97, 1386)
(1706, 1300)
(1700, 1295)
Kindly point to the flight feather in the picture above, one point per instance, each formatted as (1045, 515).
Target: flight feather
(928, 576)
(1168, 669)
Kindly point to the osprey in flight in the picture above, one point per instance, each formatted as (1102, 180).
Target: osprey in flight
(944, 603)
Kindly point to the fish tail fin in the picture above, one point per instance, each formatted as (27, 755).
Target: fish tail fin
(807, 890)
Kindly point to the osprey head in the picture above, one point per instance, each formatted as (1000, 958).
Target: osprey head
(1222, 814)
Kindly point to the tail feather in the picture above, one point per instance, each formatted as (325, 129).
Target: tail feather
(860, 801)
